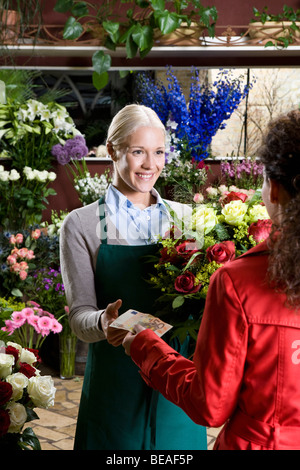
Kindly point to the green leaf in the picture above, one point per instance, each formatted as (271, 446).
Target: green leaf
(167, 21)
(178, 301)
(158, 4)
(72, 29)
(101, 63)
(222, 232)
(80, 9)
(16, 292)
(29, 439)
(113, 29)
(100, 80)
(63, 6)
(143, 37)
(31, 415)
(131, 47)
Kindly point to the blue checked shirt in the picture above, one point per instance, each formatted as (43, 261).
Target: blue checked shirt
(138, 227)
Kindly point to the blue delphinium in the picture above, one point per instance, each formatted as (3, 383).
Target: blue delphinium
(199, 119)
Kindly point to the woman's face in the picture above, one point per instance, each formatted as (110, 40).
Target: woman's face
(140, 163)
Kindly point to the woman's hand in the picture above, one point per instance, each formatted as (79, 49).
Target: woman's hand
(113, 335)
(127, 341)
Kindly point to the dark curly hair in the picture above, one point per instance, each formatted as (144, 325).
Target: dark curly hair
(280, 154)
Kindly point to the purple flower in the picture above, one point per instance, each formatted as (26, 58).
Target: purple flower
(60, 154)
(75, 149)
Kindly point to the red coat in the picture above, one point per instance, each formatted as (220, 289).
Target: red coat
(246, 369)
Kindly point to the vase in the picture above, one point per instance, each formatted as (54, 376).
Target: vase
(10, 21)
(67, 353)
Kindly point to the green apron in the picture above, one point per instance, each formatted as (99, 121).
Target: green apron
(118, 411)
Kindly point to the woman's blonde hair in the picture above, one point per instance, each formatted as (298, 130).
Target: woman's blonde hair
(128, 120)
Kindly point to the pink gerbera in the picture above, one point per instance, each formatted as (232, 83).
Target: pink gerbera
(45, 325)
(56, 326)
(18, 318)
(27, 312)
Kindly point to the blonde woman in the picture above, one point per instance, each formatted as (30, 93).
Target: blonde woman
(103, 246)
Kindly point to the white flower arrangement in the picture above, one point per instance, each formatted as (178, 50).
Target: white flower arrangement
(22, 389)
(90, 188)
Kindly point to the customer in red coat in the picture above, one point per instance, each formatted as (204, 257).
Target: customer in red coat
(246, 368)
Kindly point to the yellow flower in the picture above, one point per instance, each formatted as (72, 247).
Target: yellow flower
(204, 219)
(234, 212)
(258, 212)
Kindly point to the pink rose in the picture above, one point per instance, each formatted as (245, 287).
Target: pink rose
(260, 230)
(11, 259)
(19, 238)
(185, 283)
(30, 255)
(221, 252)
(23, 275)
(36, 234)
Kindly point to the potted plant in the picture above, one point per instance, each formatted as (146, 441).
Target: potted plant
(16, 16)
(136, 29)
(280, 30)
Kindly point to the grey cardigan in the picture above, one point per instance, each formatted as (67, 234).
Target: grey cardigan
(79, 246)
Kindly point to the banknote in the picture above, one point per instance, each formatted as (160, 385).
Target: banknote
(131, 317)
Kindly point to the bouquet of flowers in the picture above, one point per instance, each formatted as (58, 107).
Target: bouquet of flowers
(22, 389)
(22, 205)
(30, 326)
(221, 228)
(90, 188)
(199, 119)
(29, 130)
(19, 254)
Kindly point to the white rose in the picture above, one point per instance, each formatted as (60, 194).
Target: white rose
(6, 363)
(18, 382)
(204, 219)
(4, 175)
(18, 416)
(27, 356)
(51, 176)
(42, 391)
(14, 175)
(258, 212)
(234, 212)
(1, 168)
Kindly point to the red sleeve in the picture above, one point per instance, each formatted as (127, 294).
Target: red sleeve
(207, 388)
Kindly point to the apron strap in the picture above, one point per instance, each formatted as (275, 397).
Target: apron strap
(103, 226)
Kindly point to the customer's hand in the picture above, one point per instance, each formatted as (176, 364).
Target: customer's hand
(113, 335)
(127, 341)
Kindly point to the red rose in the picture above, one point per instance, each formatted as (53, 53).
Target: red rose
(234, 196)
(187, 248)
(221, 252)
(260, 230)
(6, 392)
(185, 283)
(27, 370)
(169, 255)
(13, 352)
(4, 422)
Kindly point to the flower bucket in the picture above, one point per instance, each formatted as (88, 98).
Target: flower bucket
(67, 352)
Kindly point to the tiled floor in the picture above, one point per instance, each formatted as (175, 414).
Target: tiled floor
(56, 426)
